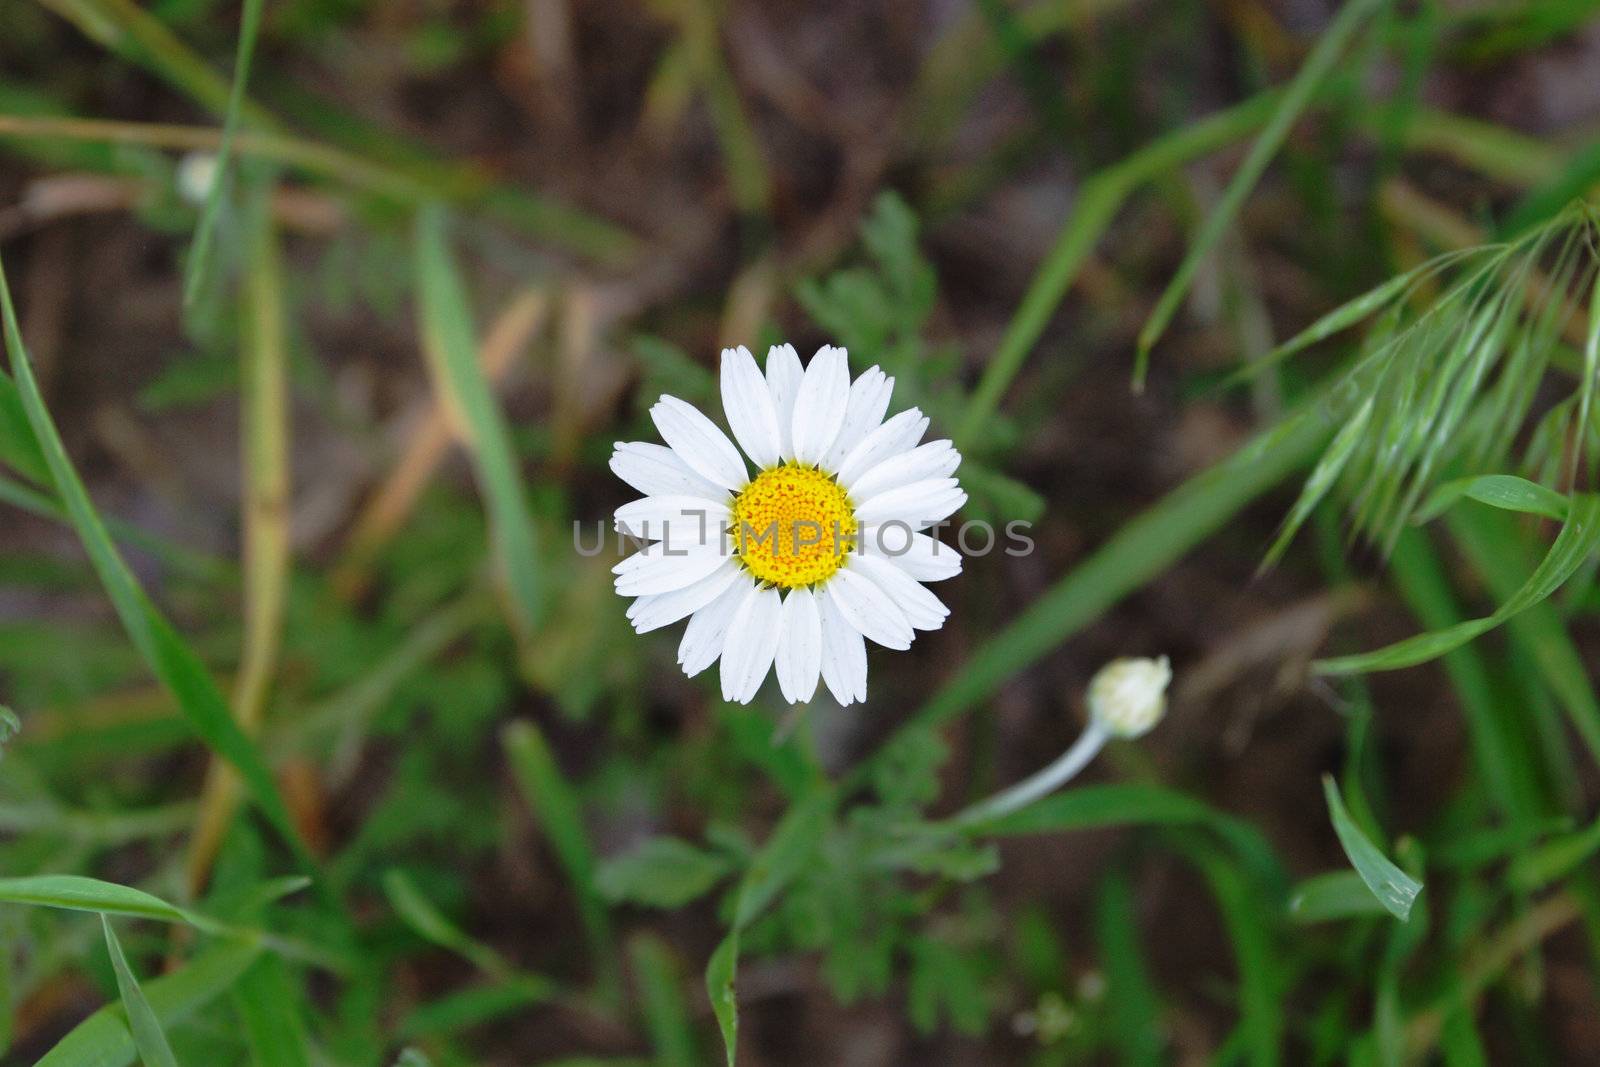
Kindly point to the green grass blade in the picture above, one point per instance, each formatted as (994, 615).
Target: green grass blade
(1134, 1005)
(429, 922)
(1097, 203)
(19, 449)
(104, 1040)
(720, 974)
(1499, 555)
(171, 659)
(74, 892)
(1394, 888)
(450, 343)
(781, 858)
(1553, 860)
(666, 1016)
(269, 1004)
(1318, 65)
(1245, 917)
(199, 249)
(1334, 895)
(1579, 538)
(555, 810)
(1504, 491)
(148, 1037)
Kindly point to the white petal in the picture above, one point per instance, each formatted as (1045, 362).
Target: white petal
(656, 469)
(917, 505)
(747, 402)
(699, 443)
(783, 382)
(922, 609)
(663, 609)
(936, 459)
(899, 434)
(752, 644)
(871, 611)
(844, 655)
(661, 568)
(869, 399)
(921, 556)
(799, 659)
(707, 631)
(682, 520)
(819, 408)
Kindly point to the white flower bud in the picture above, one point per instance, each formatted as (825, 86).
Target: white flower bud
(1127, 697)
(196, 172)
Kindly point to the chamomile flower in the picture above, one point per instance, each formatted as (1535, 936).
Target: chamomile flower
(796, 564)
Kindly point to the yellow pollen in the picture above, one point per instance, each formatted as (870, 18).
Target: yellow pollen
(793, 525)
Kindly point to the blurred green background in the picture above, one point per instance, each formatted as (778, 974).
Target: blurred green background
(315, 702)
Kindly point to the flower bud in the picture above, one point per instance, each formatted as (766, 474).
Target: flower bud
(196, 172)
(1127, 697)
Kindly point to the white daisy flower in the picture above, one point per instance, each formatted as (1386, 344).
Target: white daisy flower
(822, 548)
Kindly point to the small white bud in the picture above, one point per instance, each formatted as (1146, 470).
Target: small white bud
(196, 172)
(1127, 697)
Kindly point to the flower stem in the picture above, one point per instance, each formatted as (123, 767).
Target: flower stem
(1045, 782)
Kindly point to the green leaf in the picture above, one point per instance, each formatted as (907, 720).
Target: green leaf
(793, 843)
(1395, 889)
(450, 343)
(1318, 65)
(473, 1006)
(77, 893)
(1554, 859)
(148, 1037)
(1497, 490)
(428, 921)
(666, 1016)
(1334, 895)
(1576, 542)
(555, 810)
(720, 974)
(172, 660)
(662, 872)
(1133, 1004)
(104, 1040)
(269, 1006)
(19, 450)
(249, 27)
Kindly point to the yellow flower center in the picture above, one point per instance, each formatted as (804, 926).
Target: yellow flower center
(793, 525)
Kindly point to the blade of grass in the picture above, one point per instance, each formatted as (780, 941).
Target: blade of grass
(1500, 556)
(459, 379)
(1420, 577)
(148, 1037)
(666, 1016)
(200, 247)
(104, 1040)
(268, 1004)
(78, 893)
(1099, 199)
(1395, 889)
(168, 655)
(1334, 895)
(1577, 541)
(264, 435)
(1245, 916)
(1135, 1006)
(1318, 65)
(792, 843)
(555, 810)
(429, 922)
